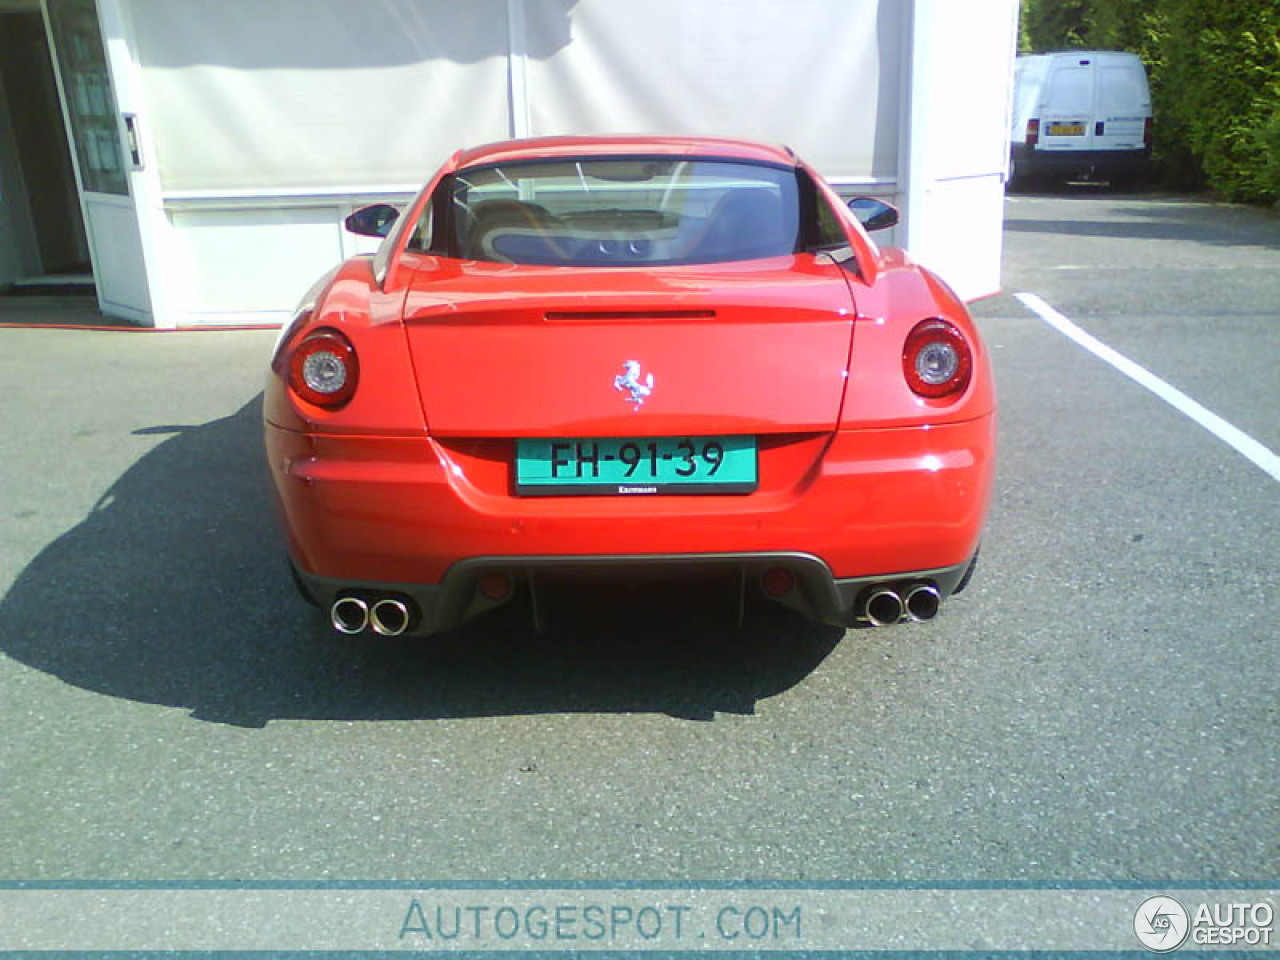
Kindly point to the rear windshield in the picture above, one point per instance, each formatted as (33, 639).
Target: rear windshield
(1071, 90)
(624, 211)
(1122, 90)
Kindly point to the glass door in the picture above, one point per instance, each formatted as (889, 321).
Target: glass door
(102, 164)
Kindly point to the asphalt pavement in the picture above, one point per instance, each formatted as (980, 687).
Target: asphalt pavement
(1100, 705)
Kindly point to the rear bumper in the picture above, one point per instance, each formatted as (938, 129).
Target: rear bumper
(404, 515)
(816, 593)
(1068, 163)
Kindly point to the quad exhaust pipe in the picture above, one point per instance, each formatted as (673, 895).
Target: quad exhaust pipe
(885, 606)
(922, 602)
(349, 615)
(388, 617)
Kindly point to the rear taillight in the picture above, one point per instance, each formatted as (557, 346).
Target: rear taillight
(936, 360)
(1146, 132)
(323, 369)
(1033, 132)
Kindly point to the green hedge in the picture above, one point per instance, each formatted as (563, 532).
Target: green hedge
(1215, 80)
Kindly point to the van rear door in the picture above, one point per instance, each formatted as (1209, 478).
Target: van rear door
(1066, 121)
(1124, 104)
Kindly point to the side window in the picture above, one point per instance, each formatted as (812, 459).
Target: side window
(830, 230)
(820, 226)
(420, 239)
(431, 232)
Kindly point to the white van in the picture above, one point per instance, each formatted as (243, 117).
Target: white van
(1085, 113)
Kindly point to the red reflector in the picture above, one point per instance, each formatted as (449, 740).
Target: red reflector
(495, 586)
(778, 582)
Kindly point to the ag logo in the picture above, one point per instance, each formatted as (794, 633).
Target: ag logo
(1161, 924)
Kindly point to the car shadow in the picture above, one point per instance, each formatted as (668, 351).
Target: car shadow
(174, 591)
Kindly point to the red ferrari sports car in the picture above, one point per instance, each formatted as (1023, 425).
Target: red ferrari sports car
(575, 357)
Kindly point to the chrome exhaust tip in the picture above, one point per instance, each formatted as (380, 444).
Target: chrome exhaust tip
(884, 607)
(922, 602)
(349, 615)
(389, 618)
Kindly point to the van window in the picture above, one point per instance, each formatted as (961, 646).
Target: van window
(1122, 91)
(1071, 90)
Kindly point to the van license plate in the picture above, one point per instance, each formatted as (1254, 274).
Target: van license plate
(1066, 130)
(622, 466)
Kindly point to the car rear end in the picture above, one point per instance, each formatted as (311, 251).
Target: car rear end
(657, 410)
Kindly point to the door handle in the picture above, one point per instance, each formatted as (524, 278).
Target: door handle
(134, 142)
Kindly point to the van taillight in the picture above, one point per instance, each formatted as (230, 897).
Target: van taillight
(1033, 132)
(1146, 132)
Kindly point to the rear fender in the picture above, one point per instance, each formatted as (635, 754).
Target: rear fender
(385, 402)
(877, 394)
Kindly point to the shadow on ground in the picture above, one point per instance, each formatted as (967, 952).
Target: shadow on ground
(173, 591)
(36, 310)
(1154, 216)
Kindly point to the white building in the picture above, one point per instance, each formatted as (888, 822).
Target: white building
(216, 145)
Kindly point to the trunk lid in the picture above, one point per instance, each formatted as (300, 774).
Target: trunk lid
(523, 351)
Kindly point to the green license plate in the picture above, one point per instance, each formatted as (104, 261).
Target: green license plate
(619, 466)
(1066, 130)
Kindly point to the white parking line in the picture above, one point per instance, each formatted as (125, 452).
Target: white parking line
(1241, 441)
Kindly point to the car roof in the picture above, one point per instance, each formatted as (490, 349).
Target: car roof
(543, 148)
